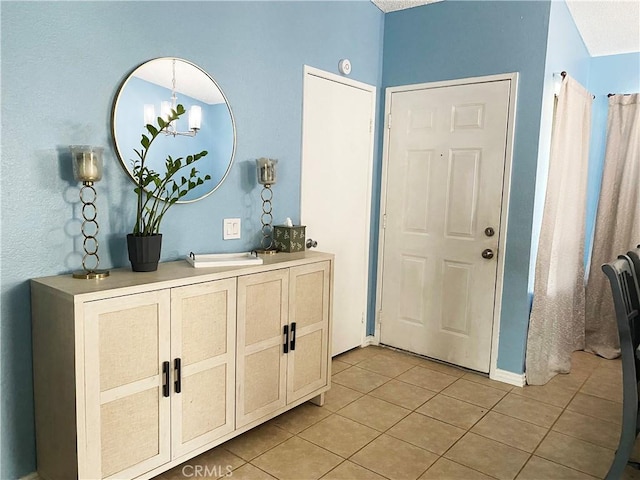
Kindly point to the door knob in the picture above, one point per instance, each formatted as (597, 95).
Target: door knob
(311, 243)
(489, 232)
(488, 253)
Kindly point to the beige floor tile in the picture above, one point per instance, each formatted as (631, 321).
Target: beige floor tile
(426, 432)
(427, 378)
(441, 367)
(350, 471)
(510, 431)
(374, 413)
(576, 453)
(249, 472)
(339, 435)
(357, 355)
(596, 407)
(486, 381)
(594, 430)
(301, 417)
(475, 393)
(383, 365)
(445, 469)
(394, 458)
(529, 410)
(400, 355)
(549, 393)
(359, 379)
(488, 456)
(212, 464)
(257, 441)
(297, 459)
(339, 396)
(452, 411)
(403, 394)
(571, 381)
(607, 387)
(630, 473)
(581, 360)
(337, 366)
(538, 469)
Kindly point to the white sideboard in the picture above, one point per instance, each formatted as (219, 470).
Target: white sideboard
(139, 372)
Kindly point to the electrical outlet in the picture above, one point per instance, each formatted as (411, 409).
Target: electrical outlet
(231, 229)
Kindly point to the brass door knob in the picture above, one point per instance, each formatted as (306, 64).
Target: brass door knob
(488, 253)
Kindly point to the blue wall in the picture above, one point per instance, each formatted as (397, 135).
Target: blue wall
(62, 63)
(457, 39)
(609, 74)
(567, 52)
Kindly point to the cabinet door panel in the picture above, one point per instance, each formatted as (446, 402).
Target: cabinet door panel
(261, 363)
(309, 290)
(203, 338)
(127, 418)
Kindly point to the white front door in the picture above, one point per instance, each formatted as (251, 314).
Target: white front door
(337, 157)
(444, 191)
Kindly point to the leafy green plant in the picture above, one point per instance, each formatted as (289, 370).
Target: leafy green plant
(157, 192)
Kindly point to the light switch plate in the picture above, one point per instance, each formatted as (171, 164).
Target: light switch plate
(231, 229)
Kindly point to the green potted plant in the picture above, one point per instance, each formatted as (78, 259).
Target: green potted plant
(156, 192)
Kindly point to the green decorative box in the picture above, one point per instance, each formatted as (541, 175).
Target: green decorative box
(289, 239)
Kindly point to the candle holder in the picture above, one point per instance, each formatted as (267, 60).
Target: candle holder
(87, 168)
(266, 169)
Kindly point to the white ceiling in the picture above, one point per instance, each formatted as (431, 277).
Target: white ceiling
(607, 27)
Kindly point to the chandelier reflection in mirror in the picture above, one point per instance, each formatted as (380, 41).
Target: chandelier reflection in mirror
(195, 112)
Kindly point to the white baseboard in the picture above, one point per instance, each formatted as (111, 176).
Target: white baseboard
(31, 476)
(517, 379)
(370, 340)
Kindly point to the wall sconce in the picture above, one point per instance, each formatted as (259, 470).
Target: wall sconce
(195, 112)
(87, 168)
(266, 169)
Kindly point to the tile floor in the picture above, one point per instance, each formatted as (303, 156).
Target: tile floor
(398, 416)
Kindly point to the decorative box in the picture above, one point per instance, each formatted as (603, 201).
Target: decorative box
(289, 239)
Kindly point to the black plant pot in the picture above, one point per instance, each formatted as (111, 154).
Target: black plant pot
(144, 252)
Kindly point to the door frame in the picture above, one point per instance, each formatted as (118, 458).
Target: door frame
(372, 90)
(494, 373)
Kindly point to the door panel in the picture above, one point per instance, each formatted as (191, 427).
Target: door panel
(309, 310)
(261, 362)
(337, 159)
(203, 339)
(127, 340)
(446, 158)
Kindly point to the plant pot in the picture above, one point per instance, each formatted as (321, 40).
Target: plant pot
(144, 252)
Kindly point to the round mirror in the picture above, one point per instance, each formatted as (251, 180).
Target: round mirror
(153, 89)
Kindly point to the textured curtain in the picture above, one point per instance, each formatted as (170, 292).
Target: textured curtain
(617, 221)
(556, 326)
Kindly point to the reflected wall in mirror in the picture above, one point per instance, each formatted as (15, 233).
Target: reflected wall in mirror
(163, 83)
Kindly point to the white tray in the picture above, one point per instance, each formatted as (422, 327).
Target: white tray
(201, 260)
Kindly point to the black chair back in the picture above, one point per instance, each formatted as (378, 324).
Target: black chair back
(626, 300)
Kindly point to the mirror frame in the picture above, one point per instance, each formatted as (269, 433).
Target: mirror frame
(114, 109)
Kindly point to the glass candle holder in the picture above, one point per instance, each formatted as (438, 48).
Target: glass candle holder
(87, 163)
(266, 171)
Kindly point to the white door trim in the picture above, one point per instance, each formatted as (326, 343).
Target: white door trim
(497, 310)
(312, 71)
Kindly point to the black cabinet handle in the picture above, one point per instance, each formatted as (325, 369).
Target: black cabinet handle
(285, 346)
(165, 382)
(293, 337)
(177, 385)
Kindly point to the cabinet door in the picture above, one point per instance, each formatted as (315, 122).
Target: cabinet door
(127, 415)
(261, 363)
(203, 341)
(308, 360)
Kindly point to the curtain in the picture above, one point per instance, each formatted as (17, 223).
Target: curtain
(556, 326)
(617, 221)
